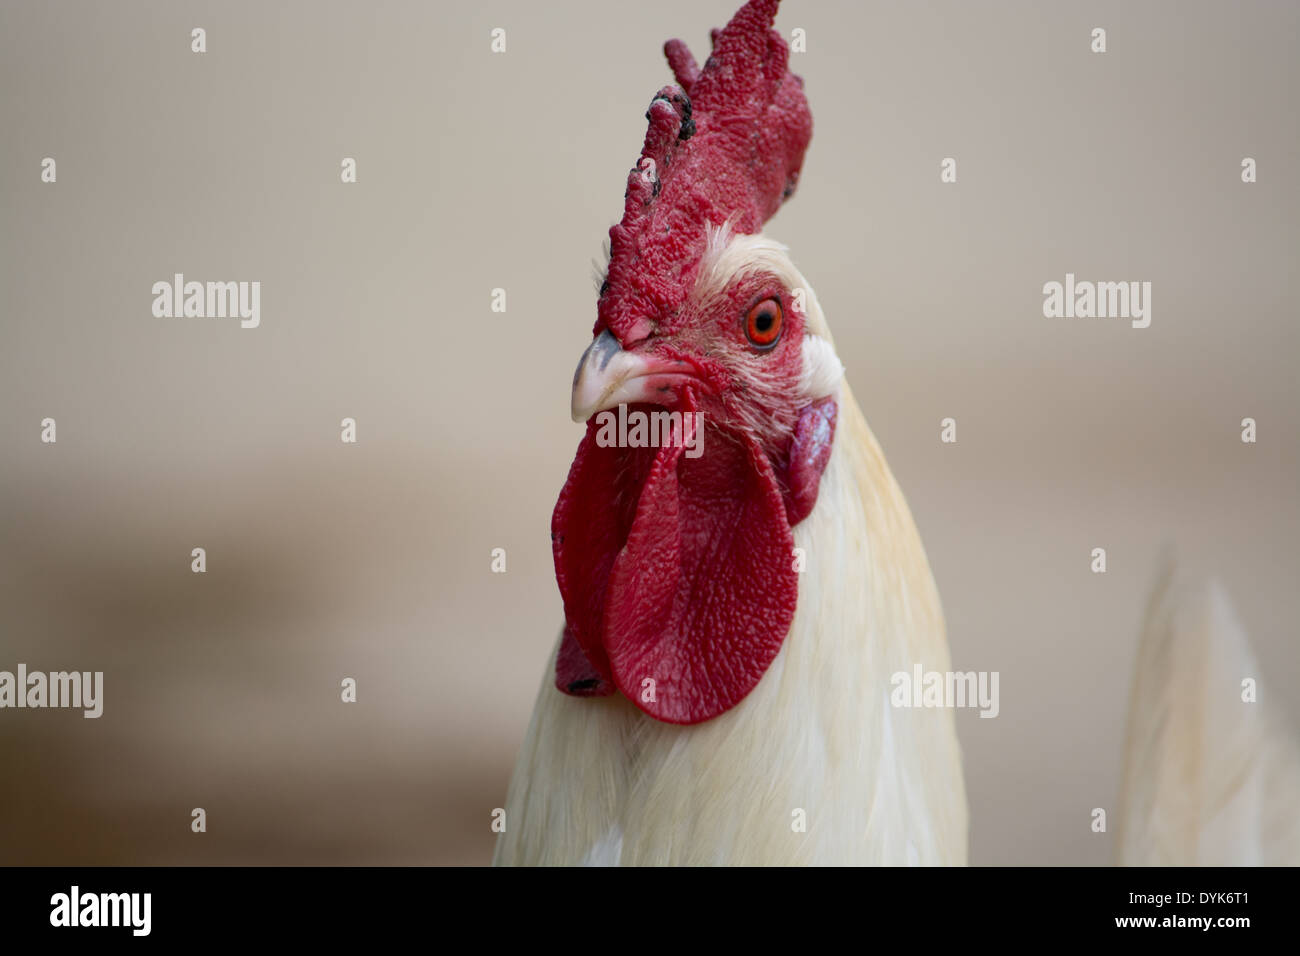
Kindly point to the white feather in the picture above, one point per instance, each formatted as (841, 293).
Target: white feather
(607, 850)
(1209, 779)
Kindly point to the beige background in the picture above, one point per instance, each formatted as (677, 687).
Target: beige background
(477, 171)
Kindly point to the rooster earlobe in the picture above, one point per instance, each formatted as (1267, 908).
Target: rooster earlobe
(810, 450)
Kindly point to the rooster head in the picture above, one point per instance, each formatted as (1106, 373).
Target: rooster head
(676, 562)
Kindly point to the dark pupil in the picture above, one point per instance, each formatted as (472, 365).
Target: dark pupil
(764, 321)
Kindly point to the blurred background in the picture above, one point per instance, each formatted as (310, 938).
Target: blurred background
(479, 171)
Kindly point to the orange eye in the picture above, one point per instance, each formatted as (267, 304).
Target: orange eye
(763, 323)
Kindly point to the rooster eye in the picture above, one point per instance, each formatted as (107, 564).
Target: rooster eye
(763, 324)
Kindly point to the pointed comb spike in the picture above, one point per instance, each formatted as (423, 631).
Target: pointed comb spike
(685, 69)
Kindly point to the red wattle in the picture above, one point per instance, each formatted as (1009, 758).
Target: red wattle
(676, 573)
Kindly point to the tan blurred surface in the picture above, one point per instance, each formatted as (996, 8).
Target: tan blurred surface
(479, 171)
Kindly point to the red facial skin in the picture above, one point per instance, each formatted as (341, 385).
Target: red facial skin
(735, 382)
(676, 572)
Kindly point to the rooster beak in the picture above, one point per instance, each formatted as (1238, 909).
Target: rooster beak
(609, 376)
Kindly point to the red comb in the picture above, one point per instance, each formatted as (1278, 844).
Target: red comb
(724, 144)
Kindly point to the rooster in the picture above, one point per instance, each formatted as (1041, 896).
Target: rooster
(720, 691)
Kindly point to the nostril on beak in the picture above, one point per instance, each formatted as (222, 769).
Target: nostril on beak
(605, 348)
(602, 348)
